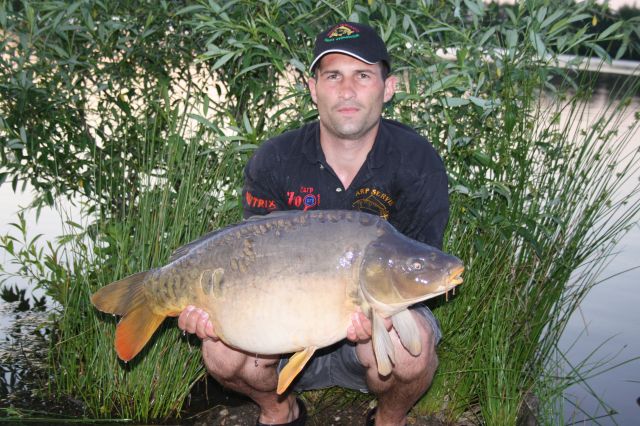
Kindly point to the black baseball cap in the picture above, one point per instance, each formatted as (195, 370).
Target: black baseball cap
(350, 38)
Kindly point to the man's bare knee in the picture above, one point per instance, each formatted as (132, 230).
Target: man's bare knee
(221, 361)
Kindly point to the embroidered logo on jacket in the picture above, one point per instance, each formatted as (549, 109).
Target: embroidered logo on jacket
(372, 200)
(303, 199)
(259, 203)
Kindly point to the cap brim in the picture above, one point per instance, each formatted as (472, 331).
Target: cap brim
(344, 52)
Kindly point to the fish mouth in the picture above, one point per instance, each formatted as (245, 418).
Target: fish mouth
(455, 276)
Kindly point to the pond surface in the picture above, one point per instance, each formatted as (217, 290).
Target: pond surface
(607, 322)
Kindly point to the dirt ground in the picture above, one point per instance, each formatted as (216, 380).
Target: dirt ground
(348, 415)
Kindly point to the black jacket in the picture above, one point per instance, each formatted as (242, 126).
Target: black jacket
(402, 180)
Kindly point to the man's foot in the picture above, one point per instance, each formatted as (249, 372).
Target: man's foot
(300, 421)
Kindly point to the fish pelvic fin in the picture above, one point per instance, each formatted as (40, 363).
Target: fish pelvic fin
(139, 322)
(382, 345)
(405, 325)
(293, 368)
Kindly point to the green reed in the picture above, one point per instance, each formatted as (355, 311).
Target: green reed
(553, 231)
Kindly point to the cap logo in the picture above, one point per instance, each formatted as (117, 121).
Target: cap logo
(342, 32)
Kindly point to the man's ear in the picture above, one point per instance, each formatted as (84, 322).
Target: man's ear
(311, 82)
(390, 87)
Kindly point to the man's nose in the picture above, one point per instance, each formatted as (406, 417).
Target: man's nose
(347, 89)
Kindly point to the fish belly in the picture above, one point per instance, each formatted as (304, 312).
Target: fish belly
(284, 315)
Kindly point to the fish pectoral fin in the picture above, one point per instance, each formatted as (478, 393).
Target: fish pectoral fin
(405, 325)
(294, 366)
(382, 345)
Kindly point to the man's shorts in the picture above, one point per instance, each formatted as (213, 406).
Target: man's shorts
(338, 364)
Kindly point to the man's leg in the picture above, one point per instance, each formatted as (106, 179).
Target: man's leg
(409, 380)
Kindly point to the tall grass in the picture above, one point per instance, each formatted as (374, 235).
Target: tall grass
(176, 204)
(533, 210)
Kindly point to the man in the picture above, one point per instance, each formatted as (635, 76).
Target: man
(350, 159)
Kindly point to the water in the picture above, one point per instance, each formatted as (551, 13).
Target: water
(610, 314)
(606, 325)
(19, 362)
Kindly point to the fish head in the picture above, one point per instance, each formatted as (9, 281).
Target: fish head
(397, 270)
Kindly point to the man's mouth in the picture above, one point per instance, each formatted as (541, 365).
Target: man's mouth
(348, 109)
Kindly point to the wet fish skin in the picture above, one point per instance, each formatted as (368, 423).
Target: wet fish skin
(287, 282)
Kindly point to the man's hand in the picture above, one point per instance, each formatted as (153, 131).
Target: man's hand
(195, 320)
(360, 329)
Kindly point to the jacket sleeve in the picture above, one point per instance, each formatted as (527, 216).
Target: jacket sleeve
(260, 189)
(424, 207)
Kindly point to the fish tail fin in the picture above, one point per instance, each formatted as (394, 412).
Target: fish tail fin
(135, 329)
(118, 297)
(139, 321)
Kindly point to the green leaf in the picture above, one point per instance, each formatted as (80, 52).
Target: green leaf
(454, 102)
(503, 190)
(476, 8)
(512, 38)
(538, 44)
(444, 83)
(600, 52)
(64, 239)
(74, 224)
(460, 189)
(60, 51)
(15, 144)
(612, 28)
(487, 34)
(554, 16)
(223, 60)
(482, 158)
(202, 120)
(622, 49)
(542, 12)
(191, 9)
(563, 24)
(253, 67)
(297, 64)
(245, 147)
(247, 124)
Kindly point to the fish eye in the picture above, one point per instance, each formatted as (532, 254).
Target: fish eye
(416, 264)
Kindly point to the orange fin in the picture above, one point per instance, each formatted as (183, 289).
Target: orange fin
(135, 329)
(117, 297)
(126, 297)
(294, 366)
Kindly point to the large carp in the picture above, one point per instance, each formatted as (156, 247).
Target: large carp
(288, 282)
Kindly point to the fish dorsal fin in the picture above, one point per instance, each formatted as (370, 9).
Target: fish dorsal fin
(294, 366)
(273, 215)
(185, 249)
(382, 345)
(405, 325)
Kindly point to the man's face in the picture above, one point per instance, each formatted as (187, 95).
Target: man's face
(349, 95)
